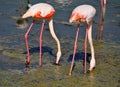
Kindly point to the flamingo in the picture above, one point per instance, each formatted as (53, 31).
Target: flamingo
(101, 19)
(84, 13)
(42, 11)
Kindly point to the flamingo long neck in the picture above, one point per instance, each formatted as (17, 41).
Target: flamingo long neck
(92, 63)
(55, 37)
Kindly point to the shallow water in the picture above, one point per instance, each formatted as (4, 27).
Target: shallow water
(13, 51)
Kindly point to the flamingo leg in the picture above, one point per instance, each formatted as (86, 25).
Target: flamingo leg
(100, 25)
(57, 40)
(27, 44)
(85, 49)
(75, 47)
(101, 21)
(40, 41)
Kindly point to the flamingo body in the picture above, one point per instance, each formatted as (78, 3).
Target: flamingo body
(84, 13)
(41, 11)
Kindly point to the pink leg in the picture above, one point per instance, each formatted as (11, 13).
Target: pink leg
(101, 19)
(85, 49)
(75, 47)
(27, 45)
(40, 41)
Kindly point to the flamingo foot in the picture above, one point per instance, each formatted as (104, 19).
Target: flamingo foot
(70, 73)
(27, 64)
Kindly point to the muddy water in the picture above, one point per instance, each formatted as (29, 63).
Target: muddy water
(13, 52)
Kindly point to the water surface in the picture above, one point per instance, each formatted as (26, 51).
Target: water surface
(13, 51)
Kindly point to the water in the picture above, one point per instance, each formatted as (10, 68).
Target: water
(63, 11)
(12, 47)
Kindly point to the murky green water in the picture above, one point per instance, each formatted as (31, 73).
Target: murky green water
(13, 51)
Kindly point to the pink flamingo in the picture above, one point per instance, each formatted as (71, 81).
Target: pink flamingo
(101, 19)
(84, 13)
(45, 12)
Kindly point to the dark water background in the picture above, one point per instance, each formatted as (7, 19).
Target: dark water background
(10, 10)
(12, 47)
